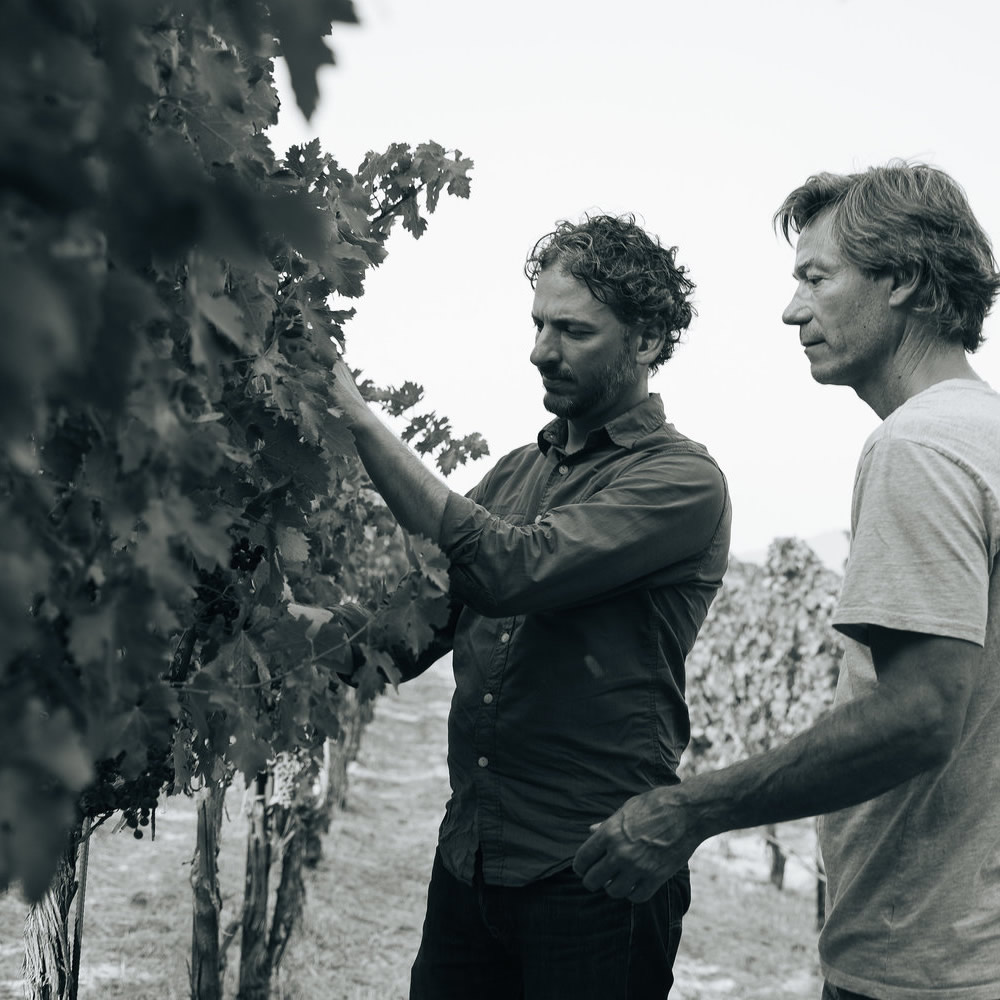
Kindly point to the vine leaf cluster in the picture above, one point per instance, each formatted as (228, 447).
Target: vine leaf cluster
(172, 472)
(765, 663)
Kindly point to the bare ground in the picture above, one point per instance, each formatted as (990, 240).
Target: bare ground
(742, 938)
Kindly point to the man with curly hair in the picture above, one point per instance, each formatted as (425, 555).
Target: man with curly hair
(895, 277)
(581, 569)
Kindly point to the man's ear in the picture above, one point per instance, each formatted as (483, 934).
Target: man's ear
(905, 284)
(649, 341)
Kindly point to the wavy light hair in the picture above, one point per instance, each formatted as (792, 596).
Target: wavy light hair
(907, 219)
(624, 267)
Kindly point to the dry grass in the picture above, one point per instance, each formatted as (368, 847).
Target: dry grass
(742, 938)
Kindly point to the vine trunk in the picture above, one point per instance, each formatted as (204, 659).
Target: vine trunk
(48, 950)
(206, 956)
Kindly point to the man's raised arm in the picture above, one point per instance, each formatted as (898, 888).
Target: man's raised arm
(413, 493)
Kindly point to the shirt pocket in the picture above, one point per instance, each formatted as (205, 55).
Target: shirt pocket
(509, 514)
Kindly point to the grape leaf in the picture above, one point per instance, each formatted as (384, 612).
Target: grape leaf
(220, 74)
(428, 560)
(249, 747)
(93, 637)
(225, 315)
(293, 545)
(411, 615)
(148, 723)
(35, 820)
(301, 29)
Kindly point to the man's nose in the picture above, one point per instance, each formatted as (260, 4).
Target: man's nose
(796, 313)
(546, 349)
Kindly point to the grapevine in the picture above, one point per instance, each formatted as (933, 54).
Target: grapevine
(171, 473)
(765, 663)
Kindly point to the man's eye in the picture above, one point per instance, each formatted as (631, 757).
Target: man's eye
(813, 279)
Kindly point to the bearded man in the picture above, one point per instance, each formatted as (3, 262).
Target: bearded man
(581, 569)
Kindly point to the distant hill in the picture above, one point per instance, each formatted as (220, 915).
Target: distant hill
(831, 547)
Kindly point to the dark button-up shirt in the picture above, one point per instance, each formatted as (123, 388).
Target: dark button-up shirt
(582, 581)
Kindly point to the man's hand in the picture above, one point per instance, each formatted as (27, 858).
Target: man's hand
(636, 850)
(346, 395)
(908, 723)
(416, 497)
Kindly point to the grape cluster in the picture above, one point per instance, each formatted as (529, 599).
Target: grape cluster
(245, 559)
(135, 798)
(284, 775)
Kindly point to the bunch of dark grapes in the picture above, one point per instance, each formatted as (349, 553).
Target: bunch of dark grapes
(215, 594)
(244, 559)
(134, 798)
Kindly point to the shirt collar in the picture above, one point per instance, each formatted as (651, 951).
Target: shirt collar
(626, 430)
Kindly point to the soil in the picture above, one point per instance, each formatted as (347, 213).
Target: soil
(742, 939)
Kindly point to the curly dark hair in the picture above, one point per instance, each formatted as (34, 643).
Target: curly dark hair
(624, 267)
(905, 218)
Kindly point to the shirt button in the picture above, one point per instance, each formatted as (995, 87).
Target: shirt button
(563, 469)
(483, 761)
(505, 637)
(488, 698)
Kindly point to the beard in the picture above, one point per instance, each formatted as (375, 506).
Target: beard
(596, 392)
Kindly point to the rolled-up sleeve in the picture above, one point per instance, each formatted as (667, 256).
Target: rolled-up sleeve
(656, 516)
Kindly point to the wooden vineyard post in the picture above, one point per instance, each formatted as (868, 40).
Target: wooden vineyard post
(206, 964)
(255, 967)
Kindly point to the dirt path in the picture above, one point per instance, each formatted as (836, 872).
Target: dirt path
(365, 901)
(743, 940)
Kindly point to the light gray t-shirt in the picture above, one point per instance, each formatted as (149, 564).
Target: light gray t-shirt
(914, 874)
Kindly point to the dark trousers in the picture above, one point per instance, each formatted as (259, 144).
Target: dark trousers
(550, 940)
(839, 993)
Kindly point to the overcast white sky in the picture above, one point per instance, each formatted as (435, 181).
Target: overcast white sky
(699, 118)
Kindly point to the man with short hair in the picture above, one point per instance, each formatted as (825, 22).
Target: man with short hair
(895, 277)
(581, 568)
